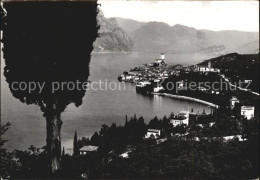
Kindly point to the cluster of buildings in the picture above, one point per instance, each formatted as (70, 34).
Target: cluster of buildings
(157, 71)
(206, 68)
(154, 73)
(181, 118)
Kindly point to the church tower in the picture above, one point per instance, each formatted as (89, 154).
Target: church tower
(209, 64)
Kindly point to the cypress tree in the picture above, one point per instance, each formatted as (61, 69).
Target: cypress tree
(63, 152)
(47, 42)
(75, 144)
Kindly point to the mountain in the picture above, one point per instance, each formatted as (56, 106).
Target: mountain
(251, 47)
(234, 60)
(160, 37)
(126, 35)
(129, 25)
(111, 38)
(234, 41)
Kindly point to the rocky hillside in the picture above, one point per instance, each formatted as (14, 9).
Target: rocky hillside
(112, 38)
(234, 61)
(129, 25)
(238, 67)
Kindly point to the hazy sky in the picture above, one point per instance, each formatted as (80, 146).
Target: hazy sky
(214, 15)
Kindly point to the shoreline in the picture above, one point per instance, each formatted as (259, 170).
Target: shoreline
(115, 52)
(186, 98)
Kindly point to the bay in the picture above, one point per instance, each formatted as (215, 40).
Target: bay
(99, 106)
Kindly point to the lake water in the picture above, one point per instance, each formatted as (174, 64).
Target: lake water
(99, 107)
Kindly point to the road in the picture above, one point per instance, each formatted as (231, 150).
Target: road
(242, 89)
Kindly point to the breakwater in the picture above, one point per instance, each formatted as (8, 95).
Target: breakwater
(186, 98)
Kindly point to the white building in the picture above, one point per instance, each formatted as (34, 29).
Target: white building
(247, 81)
(248, 112)
(86, 149)
(160, 61)
(158, 89)
(126, 153)
(153, 133)
(202, 125)
(125, 77)
(157, 80)
(201, 69)
(181, 118)
(176, 122)
(233, 102)
(179, 85)
(207, 68)
(142, 84)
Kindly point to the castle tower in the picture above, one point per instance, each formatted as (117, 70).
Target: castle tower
(162, 56)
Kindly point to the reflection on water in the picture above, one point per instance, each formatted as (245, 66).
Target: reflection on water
(99, 107)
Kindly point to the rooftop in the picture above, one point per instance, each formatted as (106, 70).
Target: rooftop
(185, 112)
(154, 130)
(178, 119)
(247, 107)
(89, 148)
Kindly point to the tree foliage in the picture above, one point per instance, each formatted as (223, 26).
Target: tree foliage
(48, 44)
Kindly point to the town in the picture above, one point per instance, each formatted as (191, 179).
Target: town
(159, 70)
(202, 82)
(149, 78)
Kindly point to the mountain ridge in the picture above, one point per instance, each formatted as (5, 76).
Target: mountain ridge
(127, 35)
(185, 39)
(120, 19)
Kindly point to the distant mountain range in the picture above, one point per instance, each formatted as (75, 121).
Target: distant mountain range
(126, 35)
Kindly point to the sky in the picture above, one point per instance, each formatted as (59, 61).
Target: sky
(211, 15)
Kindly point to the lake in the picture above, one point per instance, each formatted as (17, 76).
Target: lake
(99, 106)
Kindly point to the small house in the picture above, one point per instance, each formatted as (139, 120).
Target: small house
(158, 89)
(233, 102)
(180, 118)
(153, 133)
(248, 112)
(87, 149)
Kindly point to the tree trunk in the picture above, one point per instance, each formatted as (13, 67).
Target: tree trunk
(53, 138)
